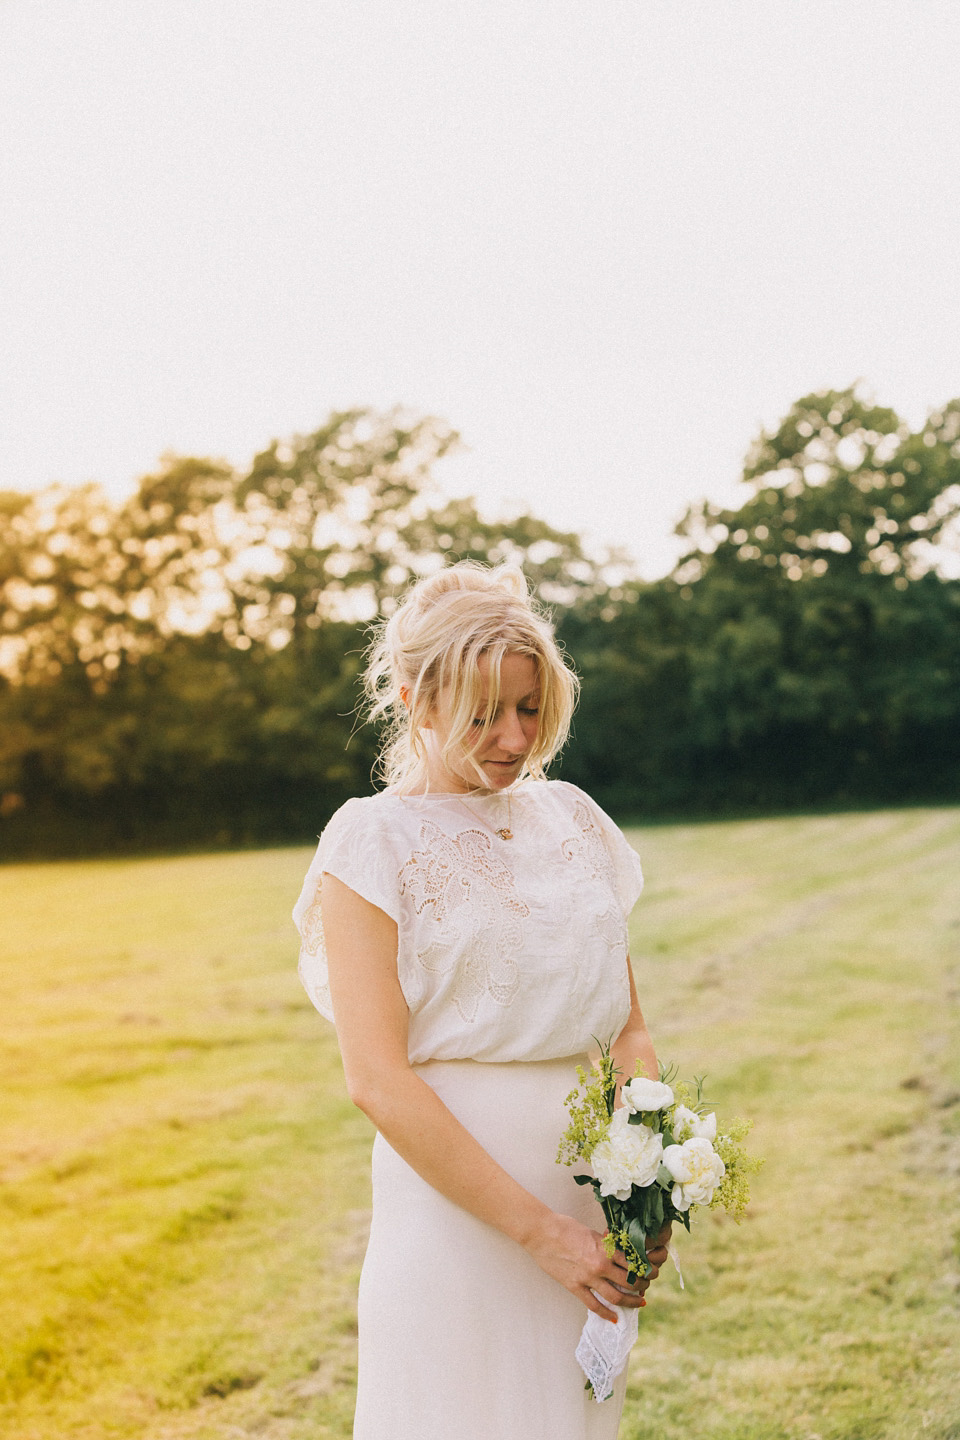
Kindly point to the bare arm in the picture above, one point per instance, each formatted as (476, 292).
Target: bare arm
(372, 1023)
(634, 1043)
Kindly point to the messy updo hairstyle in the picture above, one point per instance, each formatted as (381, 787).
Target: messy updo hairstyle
(430, 647)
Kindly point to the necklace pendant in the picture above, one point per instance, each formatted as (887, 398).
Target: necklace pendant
(505, 833)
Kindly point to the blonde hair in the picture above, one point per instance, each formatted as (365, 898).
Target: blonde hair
(432, 644)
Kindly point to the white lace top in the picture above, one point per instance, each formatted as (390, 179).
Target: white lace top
(508, 949)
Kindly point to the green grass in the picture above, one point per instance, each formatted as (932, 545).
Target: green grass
(185, 1191)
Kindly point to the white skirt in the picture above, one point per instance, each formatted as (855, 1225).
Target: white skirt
(462, 1335)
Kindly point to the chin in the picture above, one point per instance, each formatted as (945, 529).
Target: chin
(499, 777)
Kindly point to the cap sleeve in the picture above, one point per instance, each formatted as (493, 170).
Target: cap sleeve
(627, 870)
(354, 847)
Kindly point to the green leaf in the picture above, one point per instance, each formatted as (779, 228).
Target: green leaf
(637, 1234)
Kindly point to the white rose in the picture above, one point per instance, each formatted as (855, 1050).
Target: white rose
(688, 1125)
(642, 1095)
(697, 1170)
(628, 1155)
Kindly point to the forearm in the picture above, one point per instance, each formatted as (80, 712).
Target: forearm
(630, 1046)
(415, 1122)
(634, 1043)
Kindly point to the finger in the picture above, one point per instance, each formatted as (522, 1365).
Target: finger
(598, 1308)
(620, 1275)
(620, 1260)
(658, 1255)
(610, 1294)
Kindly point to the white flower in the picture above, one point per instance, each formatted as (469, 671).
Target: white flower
(697, 1170)
(627, 1155)
(642, 1095)
(688, 1125)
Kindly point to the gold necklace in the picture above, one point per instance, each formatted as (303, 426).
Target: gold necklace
(506, 831)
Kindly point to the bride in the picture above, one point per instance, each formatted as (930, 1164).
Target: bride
(466, 929)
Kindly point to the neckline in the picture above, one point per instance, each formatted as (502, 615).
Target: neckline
(464, 795)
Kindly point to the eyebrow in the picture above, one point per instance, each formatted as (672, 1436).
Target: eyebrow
(530, 695)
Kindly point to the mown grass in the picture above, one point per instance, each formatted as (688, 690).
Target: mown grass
(184, 1197)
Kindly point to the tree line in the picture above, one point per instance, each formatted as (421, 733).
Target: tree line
(181, 668)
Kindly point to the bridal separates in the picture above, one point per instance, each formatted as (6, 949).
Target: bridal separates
(462, 1335)
(512, 958)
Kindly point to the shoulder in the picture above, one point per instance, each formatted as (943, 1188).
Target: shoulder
(564, 795)
(366, 807)
(567, 790)
(362, 815)
(590, 816)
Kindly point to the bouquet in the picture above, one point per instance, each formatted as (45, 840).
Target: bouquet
(654, 1159)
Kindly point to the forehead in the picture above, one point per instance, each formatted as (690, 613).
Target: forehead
(519, 674)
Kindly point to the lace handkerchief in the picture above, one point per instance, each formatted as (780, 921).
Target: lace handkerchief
(604, 1349)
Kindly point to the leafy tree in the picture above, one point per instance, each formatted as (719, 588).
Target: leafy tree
(183, 666)
(186, 662)
(807, 647)
(352, 515)
(840, 486)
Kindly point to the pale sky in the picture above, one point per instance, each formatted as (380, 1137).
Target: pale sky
(604, 240)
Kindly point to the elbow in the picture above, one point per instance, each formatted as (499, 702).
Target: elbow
(363, 1095)
(373, 1093)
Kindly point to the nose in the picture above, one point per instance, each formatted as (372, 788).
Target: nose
(509, 733)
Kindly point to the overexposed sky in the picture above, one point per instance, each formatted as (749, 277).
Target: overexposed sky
(605, 240)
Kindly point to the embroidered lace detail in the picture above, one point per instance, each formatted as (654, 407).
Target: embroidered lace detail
(313, 948)
(470, 895)
(604, 1349)
(590, 849)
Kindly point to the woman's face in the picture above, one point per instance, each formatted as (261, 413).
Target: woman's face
(502, 749)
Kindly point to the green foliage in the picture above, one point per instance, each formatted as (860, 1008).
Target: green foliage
(182, 667)
(733, 1192)
(806, 650)
(841, 486)
(589, 1107)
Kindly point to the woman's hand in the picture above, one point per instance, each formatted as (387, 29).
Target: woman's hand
(576, 1256)
(657, 1253)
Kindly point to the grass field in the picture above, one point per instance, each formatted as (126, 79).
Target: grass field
(185, 1189)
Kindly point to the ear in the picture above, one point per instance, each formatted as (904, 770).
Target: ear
(405, 697)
